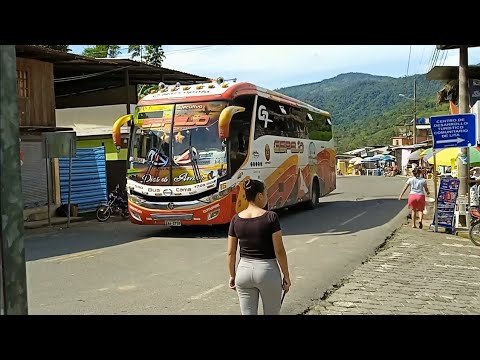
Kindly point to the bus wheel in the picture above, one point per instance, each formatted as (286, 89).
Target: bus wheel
(313, 202)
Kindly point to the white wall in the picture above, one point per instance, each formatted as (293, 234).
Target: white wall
(90, 117)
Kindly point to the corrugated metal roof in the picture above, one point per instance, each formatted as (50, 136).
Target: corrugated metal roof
(451, 73)
(450, 47)
(77, 74)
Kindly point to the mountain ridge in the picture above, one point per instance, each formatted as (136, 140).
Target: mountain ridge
(365, 106)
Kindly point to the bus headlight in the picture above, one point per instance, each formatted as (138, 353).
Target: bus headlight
(136, 216)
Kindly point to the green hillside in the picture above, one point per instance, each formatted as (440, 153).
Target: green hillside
(365, 108)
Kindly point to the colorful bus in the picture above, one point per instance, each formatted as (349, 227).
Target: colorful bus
(192, 147)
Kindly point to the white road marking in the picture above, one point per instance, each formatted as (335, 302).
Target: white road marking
(291, 250)
(126, 287)
(353, 218)
(318, 237)
(205, 293)
(79, 255)
(103, 289)
(312, 240)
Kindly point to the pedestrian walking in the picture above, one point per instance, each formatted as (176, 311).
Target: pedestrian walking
(416, 199)
(262, 254)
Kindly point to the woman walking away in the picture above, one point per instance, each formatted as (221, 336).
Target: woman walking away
(416, 199)
(259, 235)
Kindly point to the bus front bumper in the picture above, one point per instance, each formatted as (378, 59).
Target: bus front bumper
(215, 213)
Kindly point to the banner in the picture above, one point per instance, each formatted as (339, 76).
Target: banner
(446, 200)
(474, 89)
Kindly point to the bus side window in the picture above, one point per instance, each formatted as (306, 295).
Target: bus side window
(320, 128)
(239, 139)
(278, 119)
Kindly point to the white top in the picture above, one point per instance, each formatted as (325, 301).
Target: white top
(417, 185)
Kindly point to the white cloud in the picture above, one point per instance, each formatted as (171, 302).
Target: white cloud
(274, 66)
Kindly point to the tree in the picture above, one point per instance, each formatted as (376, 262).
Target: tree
(155, 55)
(135, 50)
(63, 48)
(149, 54)
(102, 51)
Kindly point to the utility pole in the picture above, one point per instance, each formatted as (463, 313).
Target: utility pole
(463, 104)
(414, 111)
(13, 283)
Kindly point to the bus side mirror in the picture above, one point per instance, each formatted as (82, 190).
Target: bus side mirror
(224, 120)
(116, 133)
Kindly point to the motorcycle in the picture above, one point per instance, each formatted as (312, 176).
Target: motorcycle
(116, 205)
(474, 232)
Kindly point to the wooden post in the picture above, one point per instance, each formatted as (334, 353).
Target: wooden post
(57, 197)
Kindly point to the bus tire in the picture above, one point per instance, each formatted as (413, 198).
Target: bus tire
(313, 202)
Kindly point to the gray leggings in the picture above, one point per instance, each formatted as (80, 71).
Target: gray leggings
(259, 277)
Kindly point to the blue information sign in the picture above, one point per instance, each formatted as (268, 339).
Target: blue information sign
(459, 130)
(446, 200)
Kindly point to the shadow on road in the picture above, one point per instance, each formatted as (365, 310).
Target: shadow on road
(340, 217)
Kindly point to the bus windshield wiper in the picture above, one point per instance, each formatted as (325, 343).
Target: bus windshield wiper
(196, 168)
(151, 160)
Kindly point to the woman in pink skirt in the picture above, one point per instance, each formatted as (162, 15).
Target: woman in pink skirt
(416, 199)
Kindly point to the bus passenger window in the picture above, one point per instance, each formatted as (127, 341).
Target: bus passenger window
(320, 128)
(239, 140)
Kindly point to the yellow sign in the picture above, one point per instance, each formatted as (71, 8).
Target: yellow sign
(151, 108)
(153, 119)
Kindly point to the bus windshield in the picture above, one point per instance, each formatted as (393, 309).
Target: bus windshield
(186, 152)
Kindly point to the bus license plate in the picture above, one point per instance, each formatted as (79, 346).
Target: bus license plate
(173, 223)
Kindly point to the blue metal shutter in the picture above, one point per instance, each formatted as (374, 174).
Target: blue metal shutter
(89, 178)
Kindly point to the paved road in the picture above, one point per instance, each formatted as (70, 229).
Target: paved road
(121, 268)
(417, 272)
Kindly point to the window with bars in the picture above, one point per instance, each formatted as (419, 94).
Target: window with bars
(22, 83)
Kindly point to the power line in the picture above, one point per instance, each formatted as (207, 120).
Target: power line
(437, 54)
(175, 51)
(192, 49)
(430, 62)
(80, 77)
(445, 57)
(437, 58)
(420, 62)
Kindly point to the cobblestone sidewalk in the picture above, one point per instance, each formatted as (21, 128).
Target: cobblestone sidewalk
(416, 272)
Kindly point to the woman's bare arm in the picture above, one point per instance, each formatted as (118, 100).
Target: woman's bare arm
(426, 188)
(403, 191)
(280, 252)
(232, 255)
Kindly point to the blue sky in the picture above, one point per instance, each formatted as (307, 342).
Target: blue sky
(274, 66)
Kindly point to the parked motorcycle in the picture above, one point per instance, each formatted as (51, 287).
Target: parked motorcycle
(474, 232)
(116, 205)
